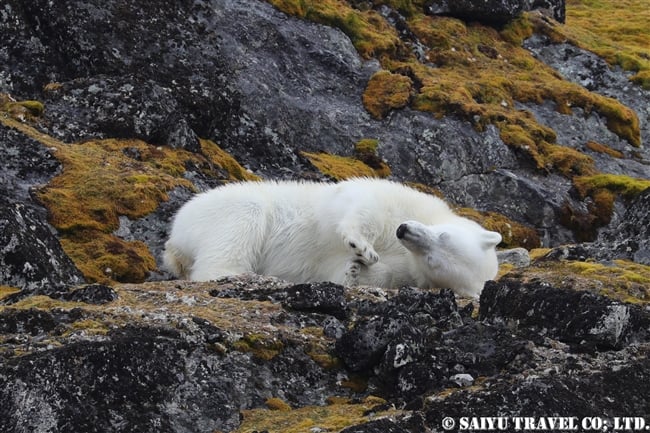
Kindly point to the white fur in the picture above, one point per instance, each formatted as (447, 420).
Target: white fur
(345, 233)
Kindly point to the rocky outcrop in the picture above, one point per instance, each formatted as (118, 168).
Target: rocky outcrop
(191, 356)
(494, 12)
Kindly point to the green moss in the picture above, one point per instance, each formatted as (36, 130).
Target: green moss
(626, 186)
(366, 151)
(275, 403)
(8, 290)
(517, 30)
(513, 233)
(369, 32)
(339, 167)
(100, 182)
(385, 92)
(621, 280)
(331, 418)
(260, 346)
(618, 33)
(602, 148)
(20, 110)
(225, 161)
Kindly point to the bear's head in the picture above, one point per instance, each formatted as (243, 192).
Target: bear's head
(458, 255)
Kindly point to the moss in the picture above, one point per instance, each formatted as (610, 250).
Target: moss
(620, 34)
(642, 79)
(278, 404)
(368, 31)
(225, 161)
(88, 326)
(333, 417)
(260, 346)
(339, 167)
(622, 280)
(385, 92)
(602, 148)
(8, 290)
(366, 151)
(517, 30)
(355, 383)
(21, 110)
(513, 233)
(100, 182)
(628, 187)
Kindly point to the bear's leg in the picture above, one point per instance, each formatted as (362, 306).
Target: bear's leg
(211, 268)
(352, 273)
(355, 239)
(377, 275)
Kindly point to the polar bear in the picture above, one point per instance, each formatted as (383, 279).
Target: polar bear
(360, 231)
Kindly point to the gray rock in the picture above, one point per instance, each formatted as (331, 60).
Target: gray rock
(496, 12)
(585, 321)
(518, 257)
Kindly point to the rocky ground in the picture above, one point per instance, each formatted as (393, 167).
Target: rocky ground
(113, 115)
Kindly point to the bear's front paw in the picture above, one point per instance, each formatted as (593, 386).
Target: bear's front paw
(364, 252)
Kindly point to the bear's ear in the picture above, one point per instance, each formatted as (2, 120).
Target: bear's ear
(490, 239)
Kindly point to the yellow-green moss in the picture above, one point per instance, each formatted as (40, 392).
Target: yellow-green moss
(260, 346)
(626, 186)
(602, 189)
(225, 161)
(385, 92)
(275, 403)
(339, 167)
(8, 290)
(20, 110)
(100, 182)
(368, 31)
(514, 234)
(617, 31)
(366, 151)
(331, 418)
(622, 280)
(602, 148)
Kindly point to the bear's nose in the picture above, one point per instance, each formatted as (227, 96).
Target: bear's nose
(401, 231)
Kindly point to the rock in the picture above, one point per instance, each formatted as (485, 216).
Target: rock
(31, 256)
(97, 294)
(495, 12)
(608, 392)
(585, 321)
(379, 426)
(631, 238)
(326, 298)
(462, 379)
(419, 340)
(518, 257)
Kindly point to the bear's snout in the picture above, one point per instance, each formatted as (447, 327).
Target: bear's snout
(401, 231)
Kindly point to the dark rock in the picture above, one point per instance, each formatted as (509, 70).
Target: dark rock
(415, 342)
(383, 425)
(32, 322)
(124, 107)
(24, 163)
(496, 12)
(326, 298)
(609, 393)
(631, 238)
(31, 256)
(586, 321)
(97, 294)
